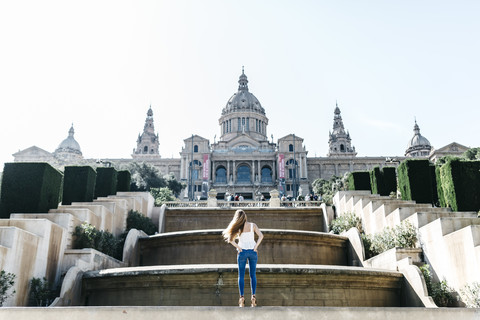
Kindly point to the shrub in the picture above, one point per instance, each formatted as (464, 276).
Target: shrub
(29, 188)
(106, 182)
(40, 293)
(123, 180)
(87, 236)
(440, 292)
(136, 220)
(470, 295)
(359, 180)
(7, 280)
(79, 184)
(403, 235)
(414, 180)
(345, 222)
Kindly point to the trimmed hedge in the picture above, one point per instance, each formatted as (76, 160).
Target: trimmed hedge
(106, 182)
(460, 185)
(383, 181)
(29, 187)
(79, 184)
(414, 180)
(124, 178)
(376, 180)
(359, 180)
(438, 178)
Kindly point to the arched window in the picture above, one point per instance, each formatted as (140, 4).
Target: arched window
(145, 149)
(243, 174)
(266, 174)
(342, 148)
(221, 175)
(290, 148)
(195, 148)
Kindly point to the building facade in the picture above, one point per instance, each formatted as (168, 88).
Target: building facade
(243, 161)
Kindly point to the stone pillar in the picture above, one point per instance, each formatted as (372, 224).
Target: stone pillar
(274, 170)
(253, 171)
(212, 199)
(234, 172)
(228, 171)
(182, 164)
(212, 168)
(336, 169)
(259, 170)
(305, 166)
(274, 198)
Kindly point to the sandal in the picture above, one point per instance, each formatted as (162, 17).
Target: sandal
(254, 301)
(241, 302)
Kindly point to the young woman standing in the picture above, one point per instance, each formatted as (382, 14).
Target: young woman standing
(244, 231)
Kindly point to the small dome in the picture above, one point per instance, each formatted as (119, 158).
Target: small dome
(69, 144)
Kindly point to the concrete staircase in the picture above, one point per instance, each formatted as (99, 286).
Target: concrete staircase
(40, 244)
(450, 240)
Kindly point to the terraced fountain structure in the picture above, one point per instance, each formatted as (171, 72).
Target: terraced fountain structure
(189, 264)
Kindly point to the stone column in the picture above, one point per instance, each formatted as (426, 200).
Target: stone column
(182, 164)
(305, 166)
(228, 171)
(259, 170)
(212, 168)
(253, 171)
(301, 166)
(234, 172)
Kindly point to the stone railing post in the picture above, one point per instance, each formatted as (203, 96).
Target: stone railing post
(274, 199)
(212, 198)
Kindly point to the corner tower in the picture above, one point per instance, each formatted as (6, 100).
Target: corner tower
(147, 142)
(339, 141)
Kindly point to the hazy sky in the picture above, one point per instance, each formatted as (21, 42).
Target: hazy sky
(100, 64)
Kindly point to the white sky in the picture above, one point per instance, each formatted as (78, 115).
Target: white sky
(100, 64)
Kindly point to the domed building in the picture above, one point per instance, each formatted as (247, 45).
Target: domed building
(418, 146)
(68, 150)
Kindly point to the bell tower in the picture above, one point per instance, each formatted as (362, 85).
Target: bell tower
(339, 141)
(147, 142)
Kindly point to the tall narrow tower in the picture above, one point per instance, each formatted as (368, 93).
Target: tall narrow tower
(147, 142)
(340, 141)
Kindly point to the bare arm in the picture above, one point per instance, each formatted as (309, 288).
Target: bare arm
(233, 243)
(260, 236)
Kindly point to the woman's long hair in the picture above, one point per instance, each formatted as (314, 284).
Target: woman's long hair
(235, 228)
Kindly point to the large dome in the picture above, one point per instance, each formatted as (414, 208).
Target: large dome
(418, 146)
(418, 140)
(243, 100)
(69, 144)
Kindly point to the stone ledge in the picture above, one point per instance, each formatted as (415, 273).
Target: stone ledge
(220, 313)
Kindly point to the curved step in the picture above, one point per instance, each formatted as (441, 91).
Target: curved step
(290, 218)
(278, 246)
(216, 285)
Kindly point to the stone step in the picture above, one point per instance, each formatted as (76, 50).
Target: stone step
(419, 219)
(186, 219)
(217, 285)
(446, 225)
(222, 313)
(278, 246)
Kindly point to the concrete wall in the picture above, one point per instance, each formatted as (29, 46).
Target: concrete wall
(216, 285)
(278, 246)
(221, 313)
(183, 219)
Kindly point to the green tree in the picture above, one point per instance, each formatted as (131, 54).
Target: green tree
(327, 188)
(173, 184)
(162, 195)
(145, 176)
(7, 280)
(472, 154)
(40, 293)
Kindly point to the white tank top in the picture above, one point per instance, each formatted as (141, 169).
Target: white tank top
(246, 240)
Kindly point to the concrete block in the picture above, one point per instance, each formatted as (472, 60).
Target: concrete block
(20, 259)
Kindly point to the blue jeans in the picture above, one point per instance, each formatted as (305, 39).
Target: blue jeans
(242, 258)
